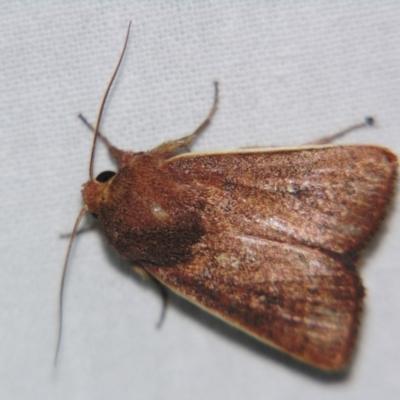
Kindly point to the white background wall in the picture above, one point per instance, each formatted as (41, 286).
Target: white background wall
(289, 72)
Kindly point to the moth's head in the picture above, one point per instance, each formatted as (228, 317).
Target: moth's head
(96, 191)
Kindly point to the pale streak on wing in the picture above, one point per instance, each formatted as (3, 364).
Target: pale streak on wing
(295, 298)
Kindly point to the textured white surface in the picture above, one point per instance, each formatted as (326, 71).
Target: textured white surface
(289, 72)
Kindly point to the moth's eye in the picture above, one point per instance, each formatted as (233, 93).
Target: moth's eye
(105, 176)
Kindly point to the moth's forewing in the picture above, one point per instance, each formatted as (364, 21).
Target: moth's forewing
(295, 298)
(283, 234)
(332, 197)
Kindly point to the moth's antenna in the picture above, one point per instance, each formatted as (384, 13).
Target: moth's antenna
(103, 102)
(62, 284)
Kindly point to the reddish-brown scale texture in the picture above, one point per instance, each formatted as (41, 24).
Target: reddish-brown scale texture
(145, 214)
(331, 198)
(266, 239)
(294, 297)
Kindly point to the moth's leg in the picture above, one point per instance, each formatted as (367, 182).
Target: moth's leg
(369, 121)
(185, 142)
(91, 128)
(164, 294)
(114, 151)
(86, 228)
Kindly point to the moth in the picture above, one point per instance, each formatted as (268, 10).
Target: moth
(269, 240)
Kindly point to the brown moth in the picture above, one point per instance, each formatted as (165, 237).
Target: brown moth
(269, 240)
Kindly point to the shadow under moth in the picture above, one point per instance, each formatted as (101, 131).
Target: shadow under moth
(269, 240)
